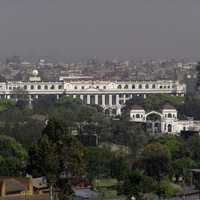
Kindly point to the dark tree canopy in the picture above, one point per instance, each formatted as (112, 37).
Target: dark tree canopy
(12, 157)
(58, 156)
(156, 160)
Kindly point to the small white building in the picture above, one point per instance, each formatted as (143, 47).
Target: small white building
(165, 121)
(137, 113)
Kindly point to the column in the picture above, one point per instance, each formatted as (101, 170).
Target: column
(163, 127)
(153, 127)
(74, 96)
(118, 111)
(36, 96)
(110, 99)
(81, 97)
(96, 99)
(124, 98)
(30, 186)
(3, 189)
(29, 99)
(117, 99)
(88, 99)
(103, 100)
(57, 96)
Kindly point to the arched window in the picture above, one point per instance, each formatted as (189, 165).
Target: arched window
(104, 87)
(46, 87)
(75, 87)
(133, 116)
(126, 87)
(153, 86)
(133, 86)
(25, 87)
(82, 87)
(169, 115)
(39, 87)
(32, 87)
(161, 87)
(52, 87)
(169, 128)
(137, 116)
(119, 87)
(97, 87)
(147, 86)
(60, 87)
(140, 86)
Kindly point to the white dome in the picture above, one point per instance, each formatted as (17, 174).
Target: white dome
(35, 72)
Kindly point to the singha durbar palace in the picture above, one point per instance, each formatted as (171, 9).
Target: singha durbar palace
(110, 95)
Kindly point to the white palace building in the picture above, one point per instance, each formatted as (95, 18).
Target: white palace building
(164, 121)
(111, 95)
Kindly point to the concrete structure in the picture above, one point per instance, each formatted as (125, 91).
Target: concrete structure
(111, 95)
(16, 186)
(165, 121)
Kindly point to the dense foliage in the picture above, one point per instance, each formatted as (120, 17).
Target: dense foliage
(50, 132)
(13, 157)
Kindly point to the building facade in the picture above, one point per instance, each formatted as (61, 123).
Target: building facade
(165, 121)
(111, 95)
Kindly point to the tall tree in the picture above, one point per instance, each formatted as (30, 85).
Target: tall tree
(156, 160)
(136, 184)
(60, 157)
(12, 157)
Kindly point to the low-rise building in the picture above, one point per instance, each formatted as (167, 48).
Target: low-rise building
(164, 121)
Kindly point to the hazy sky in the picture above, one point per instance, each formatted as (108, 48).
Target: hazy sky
(102, 28)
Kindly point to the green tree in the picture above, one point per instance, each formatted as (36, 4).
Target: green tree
(182, 166)
(12, 157)
(156, 161)
(193, 145)
(102, 162)
(60, 157)
(119, 167)
(165, 189)
(136, 184)
(98, 162)
(137, 138)
(174, 144)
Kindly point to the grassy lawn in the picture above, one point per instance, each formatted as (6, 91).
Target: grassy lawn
(104, 182)
(106, 188)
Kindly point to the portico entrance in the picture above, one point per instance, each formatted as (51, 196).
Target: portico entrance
(153, 122)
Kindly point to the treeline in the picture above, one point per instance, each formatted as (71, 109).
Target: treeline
(42, 140)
